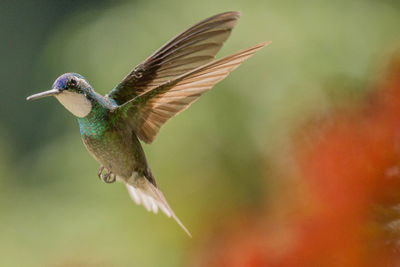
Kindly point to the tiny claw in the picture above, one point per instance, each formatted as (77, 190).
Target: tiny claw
(100, 172)
(105, 176)
(109, 177)
(112, 180)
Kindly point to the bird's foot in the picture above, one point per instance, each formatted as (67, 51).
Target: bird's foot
(107, 177)
(100, 172)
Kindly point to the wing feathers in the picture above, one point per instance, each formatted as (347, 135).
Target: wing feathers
(194, 47)
(149, 111)
(224, 21)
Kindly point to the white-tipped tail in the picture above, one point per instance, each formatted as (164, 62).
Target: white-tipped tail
(145, 193)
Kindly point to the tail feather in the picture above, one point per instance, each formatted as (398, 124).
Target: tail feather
(146, 194)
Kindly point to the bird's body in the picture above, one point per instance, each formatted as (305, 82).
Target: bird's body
(165, 84)
(112, 143)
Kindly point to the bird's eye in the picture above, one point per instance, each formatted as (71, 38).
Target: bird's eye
(73, 82)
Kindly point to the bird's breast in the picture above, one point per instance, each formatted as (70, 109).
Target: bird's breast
(112, 144)
(116, 150)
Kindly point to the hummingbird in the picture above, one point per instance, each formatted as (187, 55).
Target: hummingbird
(166, 83)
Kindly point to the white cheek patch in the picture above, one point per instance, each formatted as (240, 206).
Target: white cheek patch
(76, 103)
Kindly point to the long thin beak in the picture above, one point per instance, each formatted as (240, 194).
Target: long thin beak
(51, 92)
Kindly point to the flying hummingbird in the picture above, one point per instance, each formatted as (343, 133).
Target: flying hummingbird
(165, 84)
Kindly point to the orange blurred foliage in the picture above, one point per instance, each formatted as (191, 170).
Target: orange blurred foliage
(346, 210)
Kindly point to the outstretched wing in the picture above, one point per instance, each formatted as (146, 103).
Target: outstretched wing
(148, 112)
(194, 47)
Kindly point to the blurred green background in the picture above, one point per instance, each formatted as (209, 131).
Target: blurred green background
(221, 155)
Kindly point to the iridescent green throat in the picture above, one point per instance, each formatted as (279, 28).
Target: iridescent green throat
(96, 122)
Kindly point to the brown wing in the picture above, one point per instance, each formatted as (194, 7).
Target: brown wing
(194, 47)
(149, 111)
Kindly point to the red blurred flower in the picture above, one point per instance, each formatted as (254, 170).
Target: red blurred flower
(346, 211)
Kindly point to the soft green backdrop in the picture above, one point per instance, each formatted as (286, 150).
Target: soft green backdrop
(215, 158)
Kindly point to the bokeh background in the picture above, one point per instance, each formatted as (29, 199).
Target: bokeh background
(290, 161)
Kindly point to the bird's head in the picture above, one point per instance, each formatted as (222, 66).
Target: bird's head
(73, 91)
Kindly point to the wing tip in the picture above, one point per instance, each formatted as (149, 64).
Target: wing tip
(253, 49)
(261, 45)
(234, 14)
